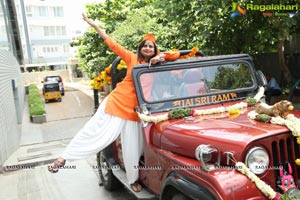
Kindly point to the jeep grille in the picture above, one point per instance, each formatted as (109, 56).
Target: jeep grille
(282, 148)
(285, 148)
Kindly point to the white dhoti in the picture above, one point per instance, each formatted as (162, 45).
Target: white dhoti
(100, 131)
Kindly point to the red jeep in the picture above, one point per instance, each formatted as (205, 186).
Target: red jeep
(192, 140)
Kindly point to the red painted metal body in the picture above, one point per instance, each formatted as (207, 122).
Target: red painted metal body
(169, 146)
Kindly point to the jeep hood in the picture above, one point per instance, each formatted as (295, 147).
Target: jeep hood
(182, 136)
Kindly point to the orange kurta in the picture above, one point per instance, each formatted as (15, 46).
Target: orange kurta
(122, 99)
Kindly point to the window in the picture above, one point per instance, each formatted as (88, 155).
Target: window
(50, 49)
(28, 11)
(43, 11)
(46, 31)
(194, 82)
(58, 30)
(66, 48)
(64, 32)
(54, 31)
(57, 11)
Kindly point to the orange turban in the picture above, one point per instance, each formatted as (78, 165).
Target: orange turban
(149, 36)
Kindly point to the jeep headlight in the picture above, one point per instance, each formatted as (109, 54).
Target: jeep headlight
(257, 159)
(208, 156)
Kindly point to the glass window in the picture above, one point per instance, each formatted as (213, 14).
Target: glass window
(193, 82)
(43, 11)
(46, 31)
(66, 48)
(57, 11)
(63, 31)
(50, 49)
(52, 30)
(58, 30)
(28, 11)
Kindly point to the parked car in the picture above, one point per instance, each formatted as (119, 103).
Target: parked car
(57, 79)
(51, 91)
(196, 128)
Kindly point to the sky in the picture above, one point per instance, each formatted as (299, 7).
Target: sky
(73, 11)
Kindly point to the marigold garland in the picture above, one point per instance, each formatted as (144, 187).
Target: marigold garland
(185, 112)
(191, 54)
(104, 77)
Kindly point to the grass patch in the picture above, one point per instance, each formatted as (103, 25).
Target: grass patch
(35, 101)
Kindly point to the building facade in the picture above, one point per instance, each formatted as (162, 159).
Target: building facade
(46, 38)
(12, 91)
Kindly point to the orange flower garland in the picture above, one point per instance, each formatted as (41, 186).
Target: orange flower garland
(104, 77)
(191, 54)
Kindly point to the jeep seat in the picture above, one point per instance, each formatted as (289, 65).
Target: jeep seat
(193, 83)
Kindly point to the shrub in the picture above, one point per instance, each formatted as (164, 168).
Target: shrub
(35, 101)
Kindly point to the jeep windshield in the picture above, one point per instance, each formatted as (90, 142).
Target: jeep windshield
(195, 82)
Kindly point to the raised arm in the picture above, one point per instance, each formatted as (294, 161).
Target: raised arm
(112, 44)
(92, 23)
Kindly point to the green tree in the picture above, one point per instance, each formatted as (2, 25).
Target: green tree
(184, 24)
(208, 25)
(121, 19)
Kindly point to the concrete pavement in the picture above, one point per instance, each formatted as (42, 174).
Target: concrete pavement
(25, 176)
(42, 143)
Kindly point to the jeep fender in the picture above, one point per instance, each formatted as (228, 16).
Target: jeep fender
(178, 183)
(218, 184)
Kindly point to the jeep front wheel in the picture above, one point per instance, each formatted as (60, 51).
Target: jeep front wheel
(179, 196)
(109, 181)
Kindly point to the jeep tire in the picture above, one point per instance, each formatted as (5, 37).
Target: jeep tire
(109, 181)
(179, 196)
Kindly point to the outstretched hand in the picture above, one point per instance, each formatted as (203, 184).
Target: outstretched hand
(93, 24)
(88, 20)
